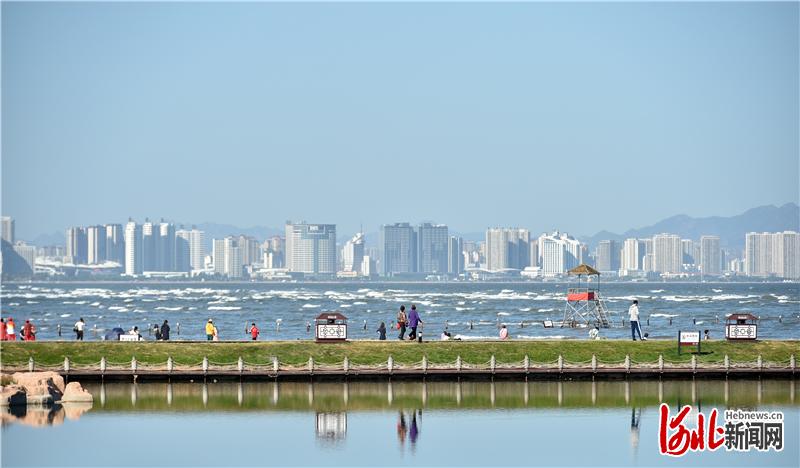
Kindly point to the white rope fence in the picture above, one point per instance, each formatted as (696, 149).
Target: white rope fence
(348, 366)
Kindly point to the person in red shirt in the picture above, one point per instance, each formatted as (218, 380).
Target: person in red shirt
(254, 331)
(28, 331)
(2, 329)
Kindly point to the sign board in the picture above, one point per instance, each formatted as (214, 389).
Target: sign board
(548, 324)
(336, 331)
(688, 338)
(129, 337)
(741, 332)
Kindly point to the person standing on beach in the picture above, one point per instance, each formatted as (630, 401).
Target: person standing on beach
(401, 322)
(254, 331)
(28, 331)
(382, 331)
(503, 332)
(633, 312)
(210, 330)
(80, 325)
(2, 329)
(165, 331)
(11, 331)
(413, 322)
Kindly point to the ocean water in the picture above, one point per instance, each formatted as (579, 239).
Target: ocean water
(468, 310)
(388, 424)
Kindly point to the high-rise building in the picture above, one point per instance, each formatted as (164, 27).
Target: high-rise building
(668, 253)
(688, 256)
(8, 229)
(96, 245)
(148, 246)
(432, 240)
(559, 253)
(455, 256)
(608, 253)
(227, 257)
(311, 248)
(768, 254)
(115, 243)
(251, 250)
(710, 256)
(507, 248)
(27, 252)
(183, 250)
(165, 247)
(353, 253)
(398, 243)
(133, 249)
(274, 252)
(633, 252)
(534, 252)
(77, 245)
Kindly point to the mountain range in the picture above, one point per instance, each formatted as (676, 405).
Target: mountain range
(731, 230)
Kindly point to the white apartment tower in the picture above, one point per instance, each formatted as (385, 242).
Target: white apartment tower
(667, 253)
(133, 249)
(311, 248)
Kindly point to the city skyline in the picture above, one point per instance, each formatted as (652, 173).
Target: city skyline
(446, 115)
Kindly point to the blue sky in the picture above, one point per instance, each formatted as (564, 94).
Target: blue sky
(581, 117)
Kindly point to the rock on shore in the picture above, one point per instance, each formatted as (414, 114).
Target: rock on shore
(74, 393)
(40, 387)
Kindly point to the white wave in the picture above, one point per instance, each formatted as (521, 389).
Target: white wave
(139, 310)
(94, 304)
(65, 315)
(192, 308)
(310, 306)
(464, 308)
(525, 309)
(359, 303)
(169, 308)
(343, 306)
(546, 310)
(33, 302)
(504, 314)
(657, 291)
(224, 308)
(536, 337)
(13, 303)
(120, 308)
(749, 301)
(685, 298)
(664, 315)
(699, 322)
(728, 297)
(467, 338)
(717, 290)
(779, 297)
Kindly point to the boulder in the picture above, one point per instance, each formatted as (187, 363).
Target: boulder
(39, 385)
(74, 393)
(12, 395)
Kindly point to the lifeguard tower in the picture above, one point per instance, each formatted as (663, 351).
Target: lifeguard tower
(584, 304)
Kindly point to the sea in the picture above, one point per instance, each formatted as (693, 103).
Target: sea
(469, 311)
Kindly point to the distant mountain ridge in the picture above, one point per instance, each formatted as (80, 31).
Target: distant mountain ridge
(731, 230)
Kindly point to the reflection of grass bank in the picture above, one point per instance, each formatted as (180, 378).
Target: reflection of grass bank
(328, 397)
(373, 352)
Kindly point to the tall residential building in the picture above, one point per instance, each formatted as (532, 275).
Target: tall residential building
(432, 254)
(398, 244)
(8, 229)
(668, 253)
(311, 248)
(27, 252)
(608, 253)
(218, 254)
(353, 254)
(96, 245)
(688, 252)
(455, 256)
(632, 256)
(251, 250)
(133, 249)
(777, 254)
(274, 250)
(115, 243)
(165, 247)
(77, 245)
(710, 256)
(507, 249)
(148, 246)
(559, 253)
(534, 252)
(227, 257)
(183, 250)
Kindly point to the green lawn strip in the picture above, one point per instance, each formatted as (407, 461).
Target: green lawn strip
(372, 352)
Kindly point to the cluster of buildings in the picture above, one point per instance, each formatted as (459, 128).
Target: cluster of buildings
(403, 251)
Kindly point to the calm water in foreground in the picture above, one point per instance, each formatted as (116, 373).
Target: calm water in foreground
(469, 310)
(435, 423)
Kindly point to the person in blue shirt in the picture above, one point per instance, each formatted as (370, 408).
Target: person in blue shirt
(413, 322)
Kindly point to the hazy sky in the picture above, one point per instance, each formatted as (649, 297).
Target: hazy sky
(575, 116)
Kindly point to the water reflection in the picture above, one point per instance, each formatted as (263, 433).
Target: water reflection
(40, 416)
(331, 427)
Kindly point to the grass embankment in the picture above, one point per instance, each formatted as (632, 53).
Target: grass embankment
(374, 352)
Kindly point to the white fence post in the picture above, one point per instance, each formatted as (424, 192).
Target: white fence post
(458, 363)
(627, 363)
(594, 363)
(390, 364)
(275, 364)
(103, 365)
(760, 362)
(694, 363)
(492, 363)
(30, 364)
(66, 365)
(527, 363)
(727, 363)
(134, 364)
(792, 363)
(310, 365)
(346, 365)
(560, 363)
(170, 364)
(661, 363)
(205, 365)
(424, 364)
(240, 365)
